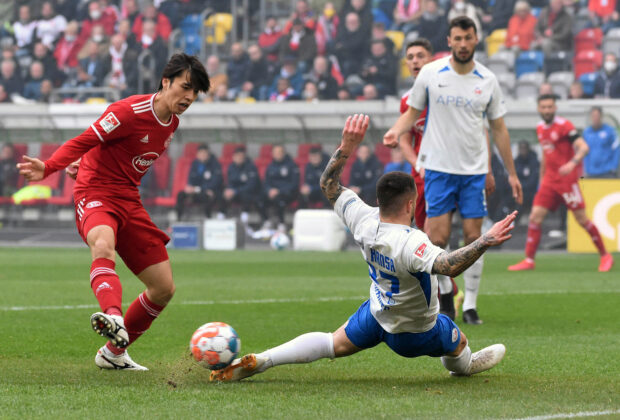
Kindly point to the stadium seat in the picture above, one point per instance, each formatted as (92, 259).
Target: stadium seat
(582, 20)
(161, 172)
(221, 24)
(304, 149)
(398, 38)
(507, 82)
(47, 150)
(383, 153)
(265, 151)
(261, 164)
(495, 40)
(501, 62)
(560, 82)
(588, 39)
(557, 61)
(588, 62)
(529, 62)
(528, 84)
(66, 196)
(587, 81)
(611, 42)
(346, 172)
(179, 180)
(190, 149)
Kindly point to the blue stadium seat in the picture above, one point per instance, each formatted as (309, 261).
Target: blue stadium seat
(190, 25)
(529, 62)
(587, 81)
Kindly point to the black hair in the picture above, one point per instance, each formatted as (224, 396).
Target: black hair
(392, 190)
(547, 96)
(462, 22)
(178, 63)
(597, 108)
(203, 146)
(421, 42)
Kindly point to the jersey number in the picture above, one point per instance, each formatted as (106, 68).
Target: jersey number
(394, 288)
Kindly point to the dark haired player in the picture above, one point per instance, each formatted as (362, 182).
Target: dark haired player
(116, 151)
(403, 307)
(563, 153)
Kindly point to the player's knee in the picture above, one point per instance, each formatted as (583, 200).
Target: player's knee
(163, 293)
(462, 343)
(103, 249)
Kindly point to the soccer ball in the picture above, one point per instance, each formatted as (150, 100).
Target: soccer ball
(215, 345)
(279, 241)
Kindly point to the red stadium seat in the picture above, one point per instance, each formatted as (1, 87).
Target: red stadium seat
(228, 149)
(588, 39)
(66, 197)
(47, 149)
(587, 62)
(383, 153)
(179, 180)
(301, 164)
(304, 149)
(346, 172)
(265, 151)
(161, 172)
(261, 166)
(190, 149)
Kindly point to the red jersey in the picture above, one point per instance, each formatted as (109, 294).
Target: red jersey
(119, 147)
(557, 140)
(418, 128)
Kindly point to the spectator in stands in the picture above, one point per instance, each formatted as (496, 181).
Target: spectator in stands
(607, 83)
(4, 97)
(101, 41)
(365, 172)
(284, 91)
(97, 16)
(310, 93)
(613, 20)
(46, 91)
(259, 75)
(24, 30)
(11, 78)
(32, 88)
(51, 24)
(501, 12)
(243, 186)
(269, 39)
(434, 26)
(363, 10)
(237, 69)
(310, 191)
(397, 162)
(281, 182)
(299, 43)
(406, 15)
(121, 66)
(351, 45)
(67, 8)
(151, 41)
(602, 10)
(554, 28)
(92, 69)
(304, 13)
(288, 71)
(130, 10)
(521, 27)
(380, 69)
(379, 33)
(124, 29)
(220, 93)
(604, 156)
(204, 183)
(545, 89)
(9, 174)
(464, 8)
(528, 171)
(344, 94)
(67, 48)
(163, 26)
(320, 75)
(216, 76)
(326, 29)
(575, 91)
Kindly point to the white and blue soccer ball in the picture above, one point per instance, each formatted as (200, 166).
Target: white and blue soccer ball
(280, 241)
(215, 345)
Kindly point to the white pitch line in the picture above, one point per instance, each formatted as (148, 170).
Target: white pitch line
(572, 415)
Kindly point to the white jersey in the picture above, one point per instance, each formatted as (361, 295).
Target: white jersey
(403, 293)
(454, 140)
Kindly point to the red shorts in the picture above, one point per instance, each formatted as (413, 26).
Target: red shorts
(420, 204)
(138, 241)
(551, 194)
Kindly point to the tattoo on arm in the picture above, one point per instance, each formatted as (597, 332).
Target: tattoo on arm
(330, 179)
(454, 263)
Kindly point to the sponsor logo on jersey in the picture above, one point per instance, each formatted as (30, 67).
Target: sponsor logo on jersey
(420, 251)
(109, 122)
(145, 139)
(143, 162)
(457, 101)
(455, 334)
(94, 204)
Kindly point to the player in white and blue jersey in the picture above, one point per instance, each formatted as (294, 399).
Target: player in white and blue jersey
(459, 94)
(403, 308)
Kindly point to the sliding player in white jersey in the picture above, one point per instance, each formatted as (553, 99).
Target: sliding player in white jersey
(403, 307)
(458, 94)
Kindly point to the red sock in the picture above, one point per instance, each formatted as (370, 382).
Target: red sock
(107, 286)
(533, 239)
(141, 313)
(596, 237)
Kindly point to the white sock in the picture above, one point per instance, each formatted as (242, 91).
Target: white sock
(304, 349)
(445, 284)
(460, 363)
(472, 284)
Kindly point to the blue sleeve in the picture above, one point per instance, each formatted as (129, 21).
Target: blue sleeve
(615, 148)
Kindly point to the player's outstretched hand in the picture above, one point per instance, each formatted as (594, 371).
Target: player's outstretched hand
(32, 169)
(500, 232)
(517, 191)
(354, 131)
(390, 139)
(72, 169)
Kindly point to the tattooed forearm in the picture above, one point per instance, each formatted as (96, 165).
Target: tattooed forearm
(454, 263)
(330, 179)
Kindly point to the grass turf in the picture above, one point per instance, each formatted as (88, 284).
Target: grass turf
(559, 324)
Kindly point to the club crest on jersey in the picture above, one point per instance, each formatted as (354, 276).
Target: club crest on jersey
(420, 251)
(109, 122)
(477, 90)
(94, 204)
(143, 162)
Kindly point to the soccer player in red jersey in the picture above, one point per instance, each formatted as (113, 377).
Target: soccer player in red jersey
(116, 151)
(563, 153)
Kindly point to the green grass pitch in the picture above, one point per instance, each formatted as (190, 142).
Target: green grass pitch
(560, 324)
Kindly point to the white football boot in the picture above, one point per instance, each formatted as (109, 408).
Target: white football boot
(105, 359)
(111, 327)
(239, 369)
(484, 359)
